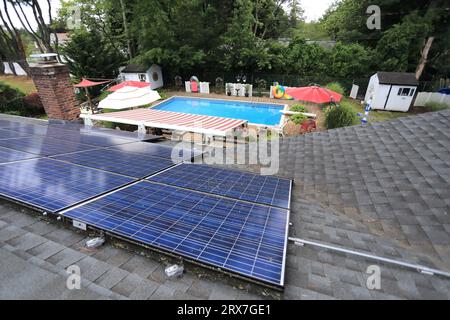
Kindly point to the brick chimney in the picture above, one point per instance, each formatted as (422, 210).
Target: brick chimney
(52, 81)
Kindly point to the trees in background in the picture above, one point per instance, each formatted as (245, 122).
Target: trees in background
(12, 47)
(413, 33)
(208, 37)
(89, 55)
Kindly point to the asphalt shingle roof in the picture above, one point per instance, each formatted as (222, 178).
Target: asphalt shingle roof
(135, 68)
(390, 178)
(397, 78)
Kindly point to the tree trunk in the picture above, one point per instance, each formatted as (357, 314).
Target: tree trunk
(127, 34)
(424, 57)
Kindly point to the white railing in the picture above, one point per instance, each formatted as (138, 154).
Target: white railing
(424, 97)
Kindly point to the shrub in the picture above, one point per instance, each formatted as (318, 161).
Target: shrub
(341, 116)
(336, 87)
(436, 106)
(299, 108)
(11, 99)
(163, 95)
(298, 118)
(32, 105)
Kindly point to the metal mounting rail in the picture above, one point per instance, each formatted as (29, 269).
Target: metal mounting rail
(418, 268)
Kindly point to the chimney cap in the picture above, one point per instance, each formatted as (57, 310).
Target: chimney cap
(45, 58)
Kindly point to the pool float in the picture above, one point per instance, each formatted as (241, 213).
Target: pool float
(278, 91)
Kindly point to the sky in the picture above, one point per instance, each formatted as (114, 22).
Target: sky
(314, 9)
(29, 13)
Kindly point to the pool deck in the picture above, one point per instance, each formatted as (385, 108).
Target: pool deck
(312, 108)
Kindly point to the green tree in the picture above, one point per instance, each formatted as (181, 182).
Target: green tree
(306, 59)
(414, 34)
(296, 14)
(351, 61)
(89, 55)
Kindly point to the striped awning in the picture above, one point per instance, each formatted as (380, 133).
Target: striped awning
(172, 121)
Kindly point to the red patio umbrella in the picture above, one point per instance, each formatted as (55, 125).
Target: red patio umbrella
(135, 84)
(314, 94)
(85, 83)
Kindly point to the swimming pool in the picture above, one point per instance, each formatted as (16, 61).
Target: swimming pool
(255, 113)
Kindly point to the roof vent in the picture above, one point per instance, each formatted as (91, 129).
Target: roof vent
(45, 58)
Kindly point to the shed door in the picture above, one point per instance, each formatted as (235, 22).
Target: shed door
(400, 98)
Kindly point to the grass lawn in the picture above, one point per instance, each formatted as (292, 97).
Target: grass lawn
(377, 115)
(24, 84)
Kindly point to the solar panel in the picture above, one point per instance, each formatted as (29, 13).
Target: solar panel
(53, 185)
(8, 124)
(93, 138)
(9, 155)
(127, 163)
(9, 134)
(133, 136)
(43, 145)
(245, 238)
(230, 183)
(177, 154)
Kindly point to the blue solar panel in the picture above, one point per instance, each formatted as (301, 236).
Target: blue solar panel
(53, 129)
(9, 155)
(43, 145)
(133, 136)
(230, 183)
(53, 185)
(177, 154)
(8, 124)
(127, 163)
(245, 238)
(9, 134)
(92, 137)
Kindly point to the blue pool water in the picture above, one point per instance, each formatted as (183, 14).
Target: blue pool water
(257, 113)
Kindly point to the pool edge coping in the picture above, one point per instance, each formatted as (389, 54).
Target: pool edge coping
(279, 126)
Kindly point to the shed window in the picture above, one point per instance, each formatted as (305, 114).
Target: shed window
(404, 91)
(142, 77)
(411, 93)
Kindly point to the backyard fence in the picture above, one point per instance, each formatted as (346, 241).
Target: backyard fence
(424, 97)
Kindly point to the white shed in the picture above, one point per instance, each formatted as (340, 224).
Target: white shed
(135, 72)
(393, 91)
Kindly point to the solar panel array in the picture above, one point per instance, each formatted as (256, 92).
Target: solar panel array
(8, 134)
(245, 238)
(126, 163)
(230, 220)
(230, 183)
(177, 154)
(43, 145)
(8, 155)
(54, 185)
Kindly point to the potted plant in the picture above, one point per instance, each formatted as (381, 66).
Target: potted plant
(229, 86)
(247, 90)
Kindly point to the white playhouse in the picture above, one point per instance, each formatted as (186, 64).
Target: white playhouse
(393, 91)
(135, 72)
